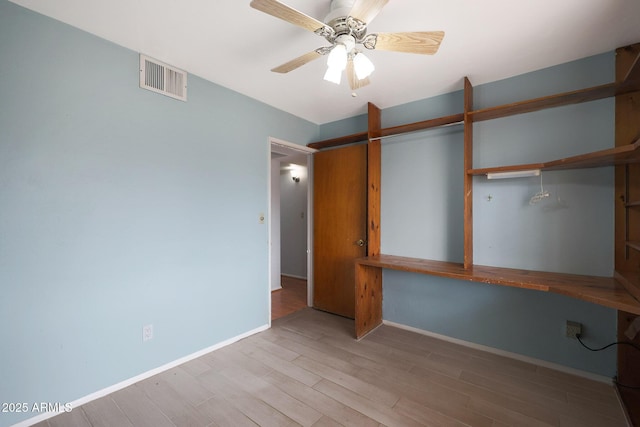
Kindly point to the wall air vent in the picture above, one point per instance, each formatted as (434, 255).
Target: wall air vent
(162, 78)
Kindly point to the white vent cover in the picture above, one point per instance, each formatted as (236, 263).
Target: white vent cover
(162, 78)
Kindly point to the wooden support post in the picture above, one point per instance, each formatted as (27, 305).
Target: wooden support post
(468, 179)
(374, 176)
(368, 299)
(631, 70)
(368, 311)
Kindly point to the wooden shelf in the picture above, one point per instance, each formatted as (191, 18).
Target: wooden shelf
(606, 291)
(612, 156)
(390, 131)
(343, 140)
(423, 125)
(630, 83)
(558, 100)
(630, 280)
(528, 106)
(632, 204)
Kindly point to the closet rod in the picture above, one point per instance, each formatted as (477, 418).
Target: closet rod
(378, 138)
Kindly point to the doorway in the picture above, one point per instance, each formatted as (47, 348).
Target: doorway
(294, 163)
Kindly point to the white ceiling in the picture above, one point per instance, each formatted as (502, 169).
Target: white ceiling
(231, 44)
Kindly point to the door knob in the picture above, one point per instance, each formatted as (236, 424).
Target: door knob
(360, 243)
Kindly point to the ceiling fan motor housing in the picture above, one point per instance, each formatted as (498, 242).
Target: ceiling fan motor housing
(339, 8)
(339, 19)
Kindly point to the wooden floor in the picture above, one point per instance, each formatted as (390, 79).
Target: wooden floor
(308, 370)
(291, 298)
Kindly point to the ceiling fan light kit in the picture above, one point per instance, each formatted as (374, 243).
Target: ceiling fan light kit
(363, 66)
(345, 27)
(342, 53)
(333, 75)
(338, 56)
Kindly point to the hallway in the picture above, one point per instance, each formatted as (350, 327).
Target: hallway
(291, 298)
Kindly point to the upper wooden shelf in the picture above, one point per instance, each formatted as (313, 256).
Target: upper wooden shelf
(605, 291)
(418, 126)
(390, 131)
(630, 84)
(558, 100)
(609, 157)
(342, 140)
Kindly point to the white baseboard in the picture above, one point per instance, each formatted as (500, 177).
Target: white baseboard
(293, 276)
(143, 376)
(496, 351)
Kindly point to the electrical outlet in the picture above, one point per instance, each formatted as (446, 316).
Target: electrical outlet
(573, 329)
(147, 332)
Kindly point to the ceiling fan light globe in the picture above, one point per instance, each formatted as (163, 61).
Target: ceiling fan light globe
(363, 66)
(338, 57)
(333, 75)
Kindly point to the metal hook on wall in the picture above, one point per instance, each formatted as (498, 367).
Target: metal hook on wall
(542, 194)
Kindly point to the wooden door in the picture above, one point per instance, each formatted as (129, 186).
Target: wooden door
(340, 226)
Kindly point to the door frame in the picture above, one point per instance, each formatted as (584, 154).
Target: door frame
(276, 145)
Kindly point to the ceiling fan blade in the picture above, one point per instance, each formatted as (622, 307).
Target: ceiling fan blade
(289, 14)
(354, 82)
(367, 10)
(296, 63)
(425, 42)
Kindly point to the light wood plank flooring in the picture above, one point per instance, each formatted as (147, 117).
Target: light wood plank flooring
(291, 298)
(308, 370)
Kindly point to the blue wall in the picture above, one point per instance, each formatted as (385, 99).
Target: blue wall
(119, 208)
(571, 231)
(530, 323)
(343, 127)
(293, 222)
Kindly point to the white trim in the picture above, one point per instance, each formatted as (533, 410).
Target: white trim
(269, 231)
(504, 353)
(310, 219)
(293, 276)
(291, 146)
(126, 383)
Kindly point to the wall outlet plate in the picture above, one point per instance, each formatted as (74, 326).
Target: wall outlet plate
(573, 329)
(147, 332)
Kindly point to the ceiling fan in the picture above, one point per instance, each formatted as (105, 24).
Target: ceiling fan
(345, 27)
